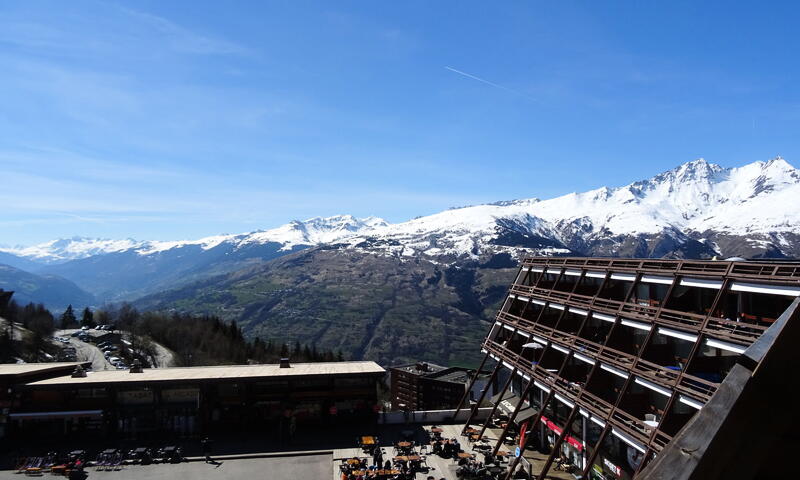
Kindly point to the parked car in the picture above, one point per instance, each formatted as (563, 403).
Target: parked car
(84, 328)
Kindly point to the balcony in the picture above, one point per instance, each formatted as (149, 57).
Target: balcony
(690, 385)
(745, 334)
(596, 406)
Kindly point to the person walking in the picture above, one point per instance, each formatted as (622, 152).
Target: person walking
(205, 444)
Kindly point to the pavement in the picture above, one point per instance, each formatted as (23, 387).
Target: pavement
(315, 453)
(300, 467)
(446, 467)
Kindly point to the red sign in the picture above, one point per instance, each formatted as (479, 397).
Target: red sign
(522, 434)
(575, 443)
(571, 440)
(333, 410)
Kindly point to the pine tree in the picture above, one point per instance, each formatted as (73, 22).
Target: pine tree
(68, 319)
(87, 320)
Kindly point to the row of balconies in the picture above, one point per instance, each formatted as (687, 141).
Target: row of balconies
(594, 406)
(762, 271)
(673, 379)
(718, 327)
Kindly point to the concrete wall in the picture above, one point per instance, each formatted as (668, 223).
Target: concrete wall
(431, 416)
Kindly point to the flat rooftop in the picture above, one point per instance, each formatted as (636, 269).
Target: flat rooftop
(413, 368)
(21, 369)
(216, 373)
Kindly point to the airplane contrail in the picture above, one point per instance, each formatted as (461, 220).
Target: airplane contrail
(487, 82)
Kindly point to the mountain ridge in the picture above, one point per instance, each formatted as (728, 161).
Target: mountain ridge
(696, 210)
(692, 198)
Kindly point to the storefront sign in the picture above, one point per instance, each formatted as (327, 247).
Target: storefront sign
(571, 440)
(135, 397)
(507, 406)
(180, 395)
(575, 443)
(614, 469)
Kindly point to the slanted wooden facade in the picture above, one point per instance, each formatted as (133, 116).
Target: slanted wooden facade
(609, 359)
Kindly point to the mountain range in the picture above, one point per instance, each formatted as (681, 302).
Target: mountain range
(379, 290)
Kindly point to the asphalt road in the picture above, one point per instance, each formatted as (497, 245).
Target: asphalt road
(86, 352)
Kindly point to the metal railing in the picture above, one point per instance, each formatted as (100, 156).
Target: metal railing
(696, 387)
(738, 332)
(764, 271)
(581, 397)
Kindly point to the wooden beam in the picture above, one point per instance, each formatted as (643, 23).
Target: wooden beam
(471, 384)
(474, 410)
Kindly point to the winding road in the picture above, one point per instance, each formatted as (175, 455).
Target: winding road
(86, 352)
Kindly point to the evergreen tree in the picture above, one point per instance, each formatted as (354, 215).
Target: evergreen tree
(87, 320)
(68, 319)
(101, 317)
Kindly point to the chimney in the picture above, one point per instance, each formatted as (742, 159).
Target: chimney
(79, 372)
(136, 367)
(285, 363)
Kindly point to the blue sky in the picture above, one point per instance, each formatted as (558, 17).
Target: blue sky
(171, 120)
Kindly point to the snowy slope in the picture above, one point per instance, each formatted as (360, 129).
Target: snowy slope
(759, 199)
(696, 196)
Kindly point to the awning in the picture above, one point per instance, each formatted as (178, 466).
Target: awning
(524, 414)
(48, 415)
(508, 404)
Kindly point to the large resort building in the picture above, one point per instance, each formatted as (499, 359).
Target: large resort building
(62, 399)
(626, 368)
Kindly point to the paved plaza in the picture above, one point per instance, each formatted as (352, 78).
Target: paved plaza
(312, 457)
(293, 467)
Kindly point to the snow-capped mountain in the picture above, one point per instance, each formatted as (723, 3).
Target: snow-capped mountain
(687, 206)
(313, 231)
(65, 249)
(693, 202)
(698, 209)
(448, 272)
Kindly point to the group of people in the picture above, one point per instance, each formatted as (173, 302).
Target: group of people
(471, 468)
(359, 468)
(446, 447)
